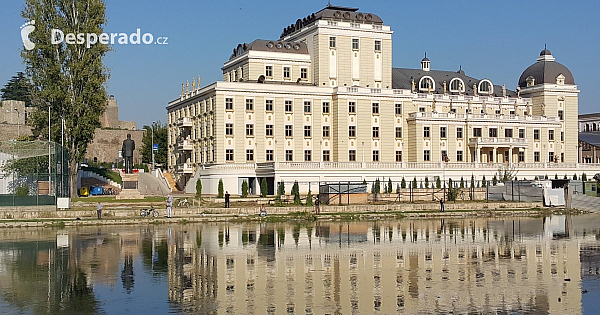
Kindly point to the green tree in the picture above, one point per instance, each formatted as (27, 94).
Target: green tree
(584, 177)
(18, 88)
(462, 182)
(309, 201)
(495, 180)
(199, 188)
(281, 188)
(483, 182)
(426, 182)
(220, 189)
(398, 187)
(296, 192)
(68, 81)
(555, 176)
(377, 187)
(402, 183)
(438, 183)
(414, 184)
(452, 192)
(160, 138)
(244, 189)
(575, 176)
(264, 189)
(472, 181)
(565, 177)
(389, 186)
(546, 176)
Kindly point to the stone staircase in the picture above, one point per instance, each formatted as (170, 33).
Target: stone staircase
(586, 203)
(171, 181)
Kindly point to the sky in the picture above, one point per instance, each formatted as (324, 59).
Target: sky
(497, 40)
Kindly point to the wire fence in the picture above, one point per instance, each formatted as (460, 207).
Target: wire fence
(32, 173)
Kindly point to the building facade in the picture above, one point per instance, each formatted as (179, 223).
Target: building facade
(323, 103)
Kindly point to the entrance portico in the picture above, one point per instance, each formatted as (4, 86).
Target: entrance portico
(496, 150)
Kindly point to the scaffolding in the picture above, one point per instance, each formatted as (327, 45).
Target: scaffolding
(33, 173)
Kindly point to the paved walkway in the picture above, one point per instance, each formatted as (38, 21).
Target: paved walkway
(149, 185)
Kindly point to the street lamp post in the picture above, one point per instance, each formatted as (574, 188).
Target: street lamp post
(18, 123)
(152, 145)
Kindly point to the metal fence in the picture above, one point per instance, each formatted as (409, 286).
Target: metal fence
(32, 173)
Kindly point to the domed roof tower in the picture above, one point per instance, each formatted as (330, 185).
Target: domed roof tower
(546, 70)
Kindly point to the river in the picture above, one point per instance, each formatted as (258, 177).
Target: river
(512, 265)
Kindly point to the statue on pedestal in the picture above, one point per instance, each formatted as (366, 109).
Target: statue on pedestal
(127, 152)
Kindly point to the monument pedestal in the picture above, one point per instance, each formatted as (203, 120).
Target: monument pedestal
(129, 187)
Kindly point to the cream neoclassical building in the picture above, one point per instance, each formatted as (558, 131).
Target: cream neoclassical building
(323, 103)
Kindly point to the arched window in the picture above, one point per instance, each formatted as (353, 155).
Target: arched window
(457, 85)
(587, 127)
(427, 84)
(485, 87)
(594, 127)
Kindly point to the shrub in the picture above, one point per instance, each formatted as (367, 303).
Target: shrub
(22, 191)
(574, 176)
(296, 193)
(438, 183)
(376, 187)
(495, 180)
(403, 183)
(389, 186)
(198, 188)
(483, 182)
(426, 182)
(244, 189)
(584, 177)
(220, 189)
(462, 182)
(264, 188)
(472, 181)
(398, 188)
(546, 176)
(414, 184)
(281, 188)
(309, 199)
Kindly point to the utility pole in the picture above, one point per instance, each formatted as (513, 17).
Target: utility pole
(18, 123)
(153, 145)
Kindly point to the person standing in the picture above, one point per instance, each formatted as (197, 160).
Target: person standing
(317, 210)
(99, 210)
(442, 205)
(169, 205)
(226, 199)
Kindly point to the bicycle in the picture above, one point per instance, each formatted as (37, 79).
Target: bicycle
(149, 212)
(183, 203)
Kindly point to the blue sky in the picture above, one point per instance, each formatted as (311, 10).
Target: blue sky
(495, 40)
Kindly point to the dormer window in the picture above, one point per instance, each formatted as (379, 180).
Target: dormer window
(560, 79)
(457, 86)
(530, 81)
(486, 87)
(427, 84)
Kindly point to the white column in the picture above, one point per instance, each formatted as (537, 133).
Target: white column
(510, 155)
(495, 156)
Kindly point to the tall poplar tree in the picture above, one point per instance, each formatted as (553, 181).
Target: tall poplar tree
(67, 80)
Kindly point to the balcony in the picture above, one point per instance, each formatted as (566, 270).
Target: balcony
(483, 117)
(186, 145)
(185, 168)
(496, 142)
(185, 122)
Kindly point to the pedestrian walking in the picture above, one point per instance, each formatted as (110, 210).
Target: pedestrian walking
(226, 199)
(442, 205)
(169, 205)
(317, 210)
(99, 210)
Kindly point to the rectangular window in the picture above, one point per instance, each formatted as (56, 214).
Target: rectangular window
(352, 155)
(493, 132)
(289, 155)
(444, 156)
(229, 129)
(550, 156)
(562, 136)
(398, 132)
(352, 131)
(331, 42)
(375, 108)
(551, 134)
(398, 156)
(307, 132)
(229, 103)
(269, 155)
(303, 73)
(536, 156)
(325, 107)
(325, 131)
(352, 107)
(398, 108)
(443, 132)
(497, 112)
(561, 115)
(355, 43)
(286, 73)
(249, 154)
(269, 130)
(375, 132)
(249, 130)
(307, 106)
(426, 132)
(459, 132)
(288, 106)
(426, 155)
(508, 133)
(289, 131)
(229, 155)
(307, 155)
(459, 156)
(249, 104)
(375, 155)
(268, 71)
(269, 105)
(377, 45)
(421, 109)
(325, 155)
(536, 134)
(521, 156)
(477, 132)
(522, 133)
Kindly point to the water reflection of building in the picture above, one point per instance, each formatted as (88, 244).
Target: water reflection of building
(426, 266)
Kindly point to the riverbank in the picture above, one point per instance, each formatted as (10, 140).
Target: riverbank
(117, 214)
